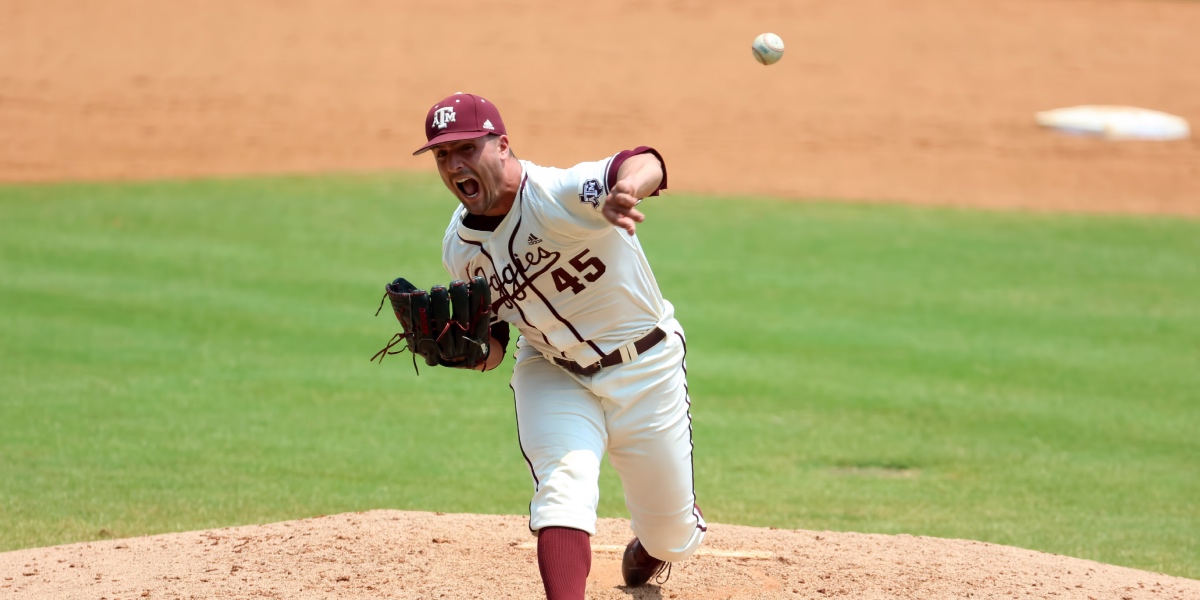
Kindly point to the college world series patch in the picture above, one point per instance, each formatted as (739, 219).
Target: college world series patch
(590, 193)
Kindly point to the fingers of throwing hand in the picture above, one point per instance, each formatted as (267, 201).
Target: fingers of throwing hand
(623, 217)
(620, 202)
(619, 207)
(626, 223)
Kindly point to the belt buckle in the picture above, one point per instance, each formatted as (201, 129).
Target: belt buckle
(578, 369)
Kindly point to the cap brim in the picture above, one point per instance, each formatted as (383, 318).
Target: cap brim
(451, 137)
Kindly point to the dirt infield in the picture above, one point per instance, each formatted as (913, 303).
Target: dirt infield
(920, 101)
(393, 554)
(926, 101)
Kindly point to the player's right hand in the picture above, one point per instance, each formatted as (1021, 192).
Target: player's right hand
(619, 206)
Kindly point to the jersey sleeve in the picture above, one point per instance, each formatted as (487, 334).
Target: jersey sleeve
(581, 189)
(620, 158)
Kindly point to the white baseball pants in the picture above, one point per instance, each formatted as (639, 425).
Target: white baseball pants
(638, 412)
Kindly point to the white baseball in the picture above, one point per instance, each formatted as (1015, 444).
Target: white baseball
(767, 48)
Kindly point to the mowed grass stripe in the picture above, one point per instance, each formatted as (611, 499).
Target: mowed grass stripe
(183, 355)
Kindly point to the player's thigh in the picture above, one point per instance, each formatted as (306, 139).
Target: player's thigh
(650, 447)
(560, 425)
(650, 428)
(553, 410)
(653, 457)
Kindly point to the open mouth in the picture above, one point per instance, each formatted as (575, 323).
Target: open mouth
(468, 186)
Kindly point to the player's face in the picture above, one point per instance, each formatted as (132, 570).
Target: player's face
(473, 171)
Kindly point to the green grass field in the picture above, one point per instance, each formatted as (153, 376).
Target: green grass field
(187, 355)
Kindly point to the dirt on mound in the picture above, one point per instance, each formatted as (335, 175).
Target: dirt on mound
(396, 554)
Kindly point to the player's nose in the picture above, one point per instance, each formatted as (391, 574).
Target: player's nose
(454, 163)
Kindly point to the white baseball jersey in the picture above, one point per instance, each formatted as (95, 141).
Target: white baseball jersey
(574, 285)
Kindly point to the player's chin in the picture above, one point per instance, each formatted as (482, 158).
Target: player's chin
(475, 206)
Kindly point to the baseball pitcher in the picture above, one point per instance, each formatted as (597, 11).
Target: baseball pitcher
(599, 357)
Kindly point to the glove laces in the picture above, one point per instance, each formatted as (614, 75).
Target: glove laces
(386, 350)
(392, 343)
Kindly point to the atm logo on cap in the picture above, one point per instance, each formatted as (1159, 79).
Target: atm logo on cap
(443, 117)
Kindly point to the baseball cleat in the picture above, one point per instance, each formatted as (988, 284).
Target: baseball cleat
(638, 567)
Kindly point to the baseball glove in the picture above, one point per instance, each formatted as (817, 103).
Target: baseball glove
(448, 327)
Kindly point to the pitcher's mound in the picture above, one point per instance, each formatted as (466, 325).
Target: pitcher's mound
(396, 554)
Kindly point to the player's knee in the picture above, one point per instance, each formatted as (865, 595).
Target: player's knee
(568, 492)
(569, 468)
(673, 541)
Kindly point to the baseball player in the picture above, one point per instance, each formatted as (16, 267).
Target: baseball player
(600, 357)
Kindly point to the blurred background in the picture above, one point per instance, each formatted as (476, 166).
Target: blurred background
(924, 101)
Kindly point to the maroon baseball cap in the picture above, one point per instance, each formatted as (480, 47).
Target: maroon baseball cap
(461, 117)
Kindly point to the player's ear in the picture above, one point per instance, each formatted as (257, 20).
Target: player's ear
(502, 146)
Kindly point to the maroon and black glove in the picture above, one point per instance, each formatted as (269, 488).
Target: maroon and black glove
(448, 327)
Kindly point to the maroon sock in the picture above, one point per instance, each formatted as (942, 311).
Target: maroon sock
(564, 559)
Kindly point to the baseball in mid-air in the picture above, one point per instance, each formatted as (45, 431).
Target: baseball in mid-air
(767, 48)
